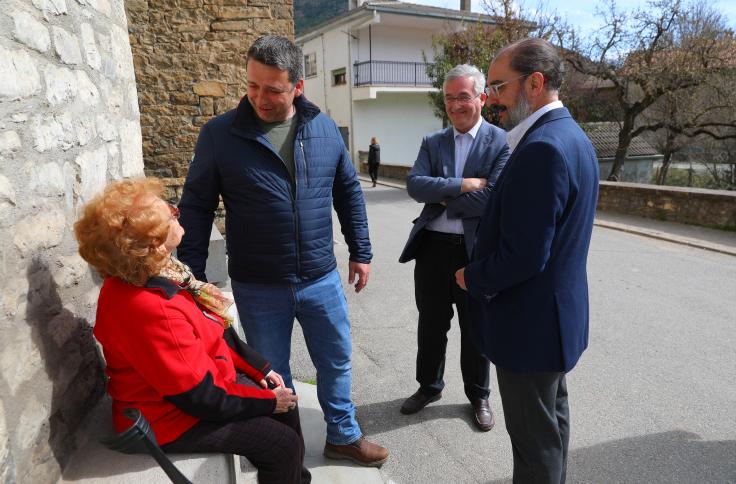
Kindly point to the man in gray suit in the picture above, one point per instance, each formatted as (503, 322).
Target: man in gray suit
(453, 176)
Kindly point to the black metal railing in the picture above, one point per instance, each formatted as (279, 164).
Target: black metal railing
(391, 73)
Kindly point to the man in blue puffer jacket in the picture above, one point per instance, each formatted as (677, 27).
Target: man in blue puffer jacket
(280, 166)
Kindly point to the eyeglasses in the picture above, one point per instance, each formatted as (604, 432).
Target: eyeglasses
(175, 212)
(461, 99)
(495, 89)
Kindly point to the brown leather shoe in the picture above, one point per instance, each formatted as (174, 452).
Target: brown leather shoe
(483, 415)
(361, 452)
(418, 401)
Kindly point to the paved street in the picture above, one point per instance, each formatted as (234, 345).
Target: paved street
(653, 400)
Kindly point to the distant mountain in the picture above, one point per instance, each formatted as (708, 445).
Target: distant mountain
(309, 13)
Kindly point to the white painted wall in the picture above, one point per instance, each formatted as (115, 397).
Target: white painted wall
(391, 43)
(399, 120)
(332, 53)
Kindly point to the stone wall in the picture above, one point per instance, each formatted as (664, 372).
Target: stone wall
(68, 123)
(709, 208)
(189, 58)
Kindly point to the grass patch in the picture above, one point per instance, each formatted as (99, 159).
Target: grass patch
(309, 381)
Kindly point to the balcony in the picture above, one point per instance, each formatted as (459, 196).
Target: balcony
(391, 73)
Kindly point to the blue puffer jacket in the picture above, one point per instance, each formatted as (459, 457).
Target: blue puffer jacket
(277, 231)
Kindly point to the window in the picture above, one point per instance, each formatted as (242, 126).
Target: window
(339, 77)
(310, 65)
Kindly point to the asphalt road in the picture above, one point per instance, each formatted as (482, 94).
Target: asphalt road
(653, 399)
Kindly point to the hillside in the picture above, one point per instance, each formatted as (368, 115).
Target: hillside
(308, 13)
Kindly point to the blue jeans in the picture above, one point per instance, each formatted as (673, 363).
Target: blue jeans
(267, 313)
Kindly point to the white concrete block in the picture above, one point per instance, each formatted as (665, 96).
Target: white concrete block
(7, 193)
(32, 418)
(52, 132)
(47, 179)
(131, 146)
(18, 75)
(88, 93)
(39, 231)
(54, 7)
(216, 266)
(60, 84)
(9, 142)
(105, 129)
(66, 46)
(91, 53)
(30, 31)
(93, 172)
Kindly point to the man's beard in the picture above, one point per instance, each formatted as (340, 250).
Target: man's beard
(517, 113)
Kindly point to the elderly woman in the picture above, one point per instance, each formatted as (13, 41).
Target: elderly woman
(169, 346)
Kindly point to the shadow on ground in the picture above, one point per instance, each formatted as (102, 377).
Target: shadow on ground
(383, 195)
(382, 417)
(671, 457)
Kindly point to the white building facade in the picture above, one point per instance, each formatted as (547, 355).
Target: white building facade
(367, 70)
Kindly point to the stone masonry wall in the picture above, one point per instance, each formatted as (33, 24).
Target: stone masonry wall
(189, 60)
(709, 208)
(69, 122)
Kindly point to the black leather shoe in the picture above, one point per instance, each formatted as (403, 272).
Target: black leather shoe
(418, 401)
(483, 416)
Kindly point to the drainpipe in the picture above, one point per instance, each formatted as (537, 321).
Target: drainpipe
(356, 162)
(324, 74)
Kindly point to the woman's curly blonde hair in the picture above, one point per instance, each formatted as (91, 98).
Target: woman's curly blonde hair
(119, 231)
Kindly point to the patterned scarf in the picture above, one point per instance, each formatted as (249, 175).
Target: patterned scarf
(207, 295)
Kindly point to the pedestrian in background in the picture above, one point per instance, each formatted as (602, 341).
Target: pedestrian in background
(374, 159)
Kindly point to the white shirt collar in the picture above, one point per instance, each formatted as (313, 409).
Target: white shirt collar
(514, 136)
(473, 132)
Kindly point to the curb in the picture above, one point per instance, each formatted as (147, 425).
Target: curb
(631, 229)
(656, 234)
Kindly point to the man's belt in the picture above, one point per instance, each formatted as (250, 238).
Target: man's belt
(455, 239)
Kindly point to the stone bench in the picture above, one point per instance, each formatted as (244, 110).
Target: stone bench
(94, 463)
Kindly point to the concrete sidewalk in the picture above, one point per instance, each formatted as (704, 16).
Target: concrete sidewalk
(715, 240)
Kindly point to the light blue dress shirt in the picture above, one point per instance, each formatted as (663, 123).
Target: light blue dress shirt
(463, 143)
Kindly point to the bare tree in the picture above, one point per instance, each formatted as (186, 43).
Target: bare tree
(650, 55)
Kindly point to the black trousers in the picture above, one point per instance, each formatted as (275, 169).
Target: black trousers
(373, 171)
(435, 292)
(538, 421)
(274, 444)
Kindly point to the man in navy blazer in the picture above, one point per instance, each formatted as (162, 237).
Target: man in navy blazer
(453, 176)
(527, 280)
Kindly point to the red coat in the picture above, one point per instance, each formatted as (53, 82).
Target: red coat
(173, 361)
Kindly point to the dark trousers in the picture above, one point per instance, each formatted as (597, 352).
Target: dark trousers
(538, 421)
(373, 171)
(435, 291)
(274, 444)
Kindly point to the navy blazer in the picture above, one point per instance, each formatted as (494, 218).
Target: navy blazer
(528, 281)
(432, 180)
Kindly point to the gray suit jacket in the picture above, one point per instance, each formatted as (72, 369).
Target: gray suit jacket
(432, 181)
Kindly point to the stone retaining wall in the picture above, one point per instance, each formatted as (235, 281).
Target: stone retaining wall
(189, 60)
(69, 122)
(709, 208)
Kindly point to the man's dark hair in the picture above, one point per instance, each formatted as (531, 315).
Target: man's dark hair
(278, 52)
(536, 55)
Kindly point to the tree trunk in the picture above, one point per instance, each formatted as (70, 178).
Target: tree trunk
(624, 141)
(662, 175)
(669, 150)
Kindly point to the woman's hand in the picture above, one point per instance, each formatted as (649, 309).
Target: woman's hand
(285, 399)
(273, 377)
